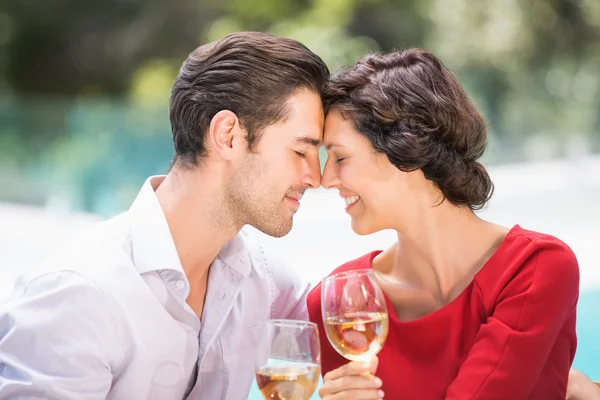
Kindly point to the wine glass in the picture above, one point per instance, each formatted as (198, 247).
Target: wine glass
(355, 314)
(288, 365)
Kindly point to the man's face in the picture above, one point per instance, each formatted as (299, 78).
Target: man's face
(266, 188)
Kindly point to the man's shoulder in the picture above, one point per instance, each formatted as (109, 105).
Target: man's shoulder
(99, 253)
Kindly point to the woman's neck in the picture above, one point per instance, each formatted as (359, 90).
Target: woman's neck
(441, 251)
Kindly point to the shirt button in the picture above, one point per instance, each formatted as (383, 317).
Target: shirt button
(180, 285)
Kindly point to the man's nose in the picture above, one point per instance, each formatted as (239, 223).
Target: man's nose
(313, 172)
(329, 179)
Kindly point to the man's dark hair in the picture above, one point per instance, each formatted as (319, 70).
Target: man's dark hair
(251, 74)
(414, 110)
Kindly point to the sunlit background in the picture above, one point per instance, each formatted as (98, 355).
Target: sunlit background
(84, 89)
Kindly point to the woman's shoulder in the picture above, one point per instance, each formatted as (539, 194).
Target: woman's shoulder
(362, 262)
(540, 248)
(550, 254)
(526, 256)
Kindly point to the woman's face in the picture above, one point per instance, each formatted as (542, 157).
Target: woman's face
(378, 195)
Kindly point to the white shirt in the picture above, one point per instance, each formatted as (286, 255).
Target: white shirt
(105, 317)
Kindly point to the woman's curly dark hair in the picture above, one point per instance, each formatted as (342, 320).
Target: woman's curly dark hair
(413, 109)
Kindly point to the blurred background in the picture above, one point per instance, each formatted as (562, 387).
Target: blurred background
(84, 89)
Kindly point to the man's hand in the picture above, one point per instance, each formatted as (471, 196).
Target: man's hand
(355, 380)
(580, 387)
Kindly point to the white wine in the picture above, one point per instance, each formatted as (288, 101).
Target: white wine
(293, 381)
(357, 336)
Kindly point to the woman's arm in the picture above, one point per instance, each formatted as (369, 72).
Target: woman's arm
(581, 387)
(532, 315)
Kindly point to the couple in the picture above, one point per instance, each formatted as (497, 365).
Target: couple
(168, 300)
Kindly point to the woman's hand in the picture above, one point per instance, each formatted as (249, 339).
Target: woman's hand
(355, 380)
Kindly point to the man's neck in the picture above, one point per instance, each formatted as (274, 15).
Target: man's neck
(199, 226)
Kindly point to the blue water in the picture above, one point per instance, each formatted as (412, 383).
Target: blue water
(587, 359)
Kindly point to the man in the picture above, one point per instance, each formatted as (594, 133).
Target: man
(168, 299)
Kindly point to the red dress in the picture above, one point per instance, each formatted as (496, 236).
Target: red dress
(509, 335)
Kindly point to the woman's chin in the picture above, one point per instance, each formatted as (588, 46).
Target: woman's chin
(362, 228)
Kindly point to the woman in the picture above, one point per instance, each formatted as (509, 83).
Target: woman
(477, 310)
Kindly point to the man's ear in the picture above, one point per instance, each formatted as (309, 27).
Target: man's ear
(225, 134)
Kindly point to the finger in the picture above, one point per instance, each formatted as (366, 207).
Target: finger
(374, 364)
(363, 394)
(350, 382)
(353, 368)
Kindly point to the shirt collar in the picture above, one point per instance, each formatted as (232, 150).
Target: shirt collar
(235, 254)
(152, 243)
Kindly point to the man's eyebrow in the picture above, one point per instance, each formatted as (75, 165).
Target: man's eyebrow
(309, 140)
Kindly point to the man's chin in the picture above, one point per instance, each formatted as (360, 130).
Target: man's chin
(276, 231)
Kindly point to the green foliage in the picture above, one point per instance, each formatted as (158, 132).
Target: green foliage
(85, 84)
